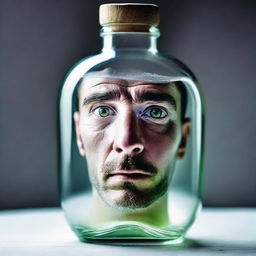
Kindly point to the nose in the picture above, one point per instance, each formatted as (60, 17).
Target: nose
(128, 137)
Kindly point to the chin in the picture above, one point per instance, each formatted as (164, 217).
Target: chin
(126, 199)
(130, 197)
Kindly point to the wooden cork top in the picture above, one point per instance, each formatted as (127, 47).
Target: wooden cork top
(129, 16)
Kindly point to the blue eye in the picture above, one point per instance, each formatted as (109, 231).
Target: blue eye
(155, 112)
(103, 111)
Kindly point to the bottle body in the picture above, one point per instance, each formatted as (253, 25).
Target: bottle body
(130, 164)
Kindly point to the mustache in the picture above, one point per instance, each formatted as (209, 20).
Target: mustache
(129, 163)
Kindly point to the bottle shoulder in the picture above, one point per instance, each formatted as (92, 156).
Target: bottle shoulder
(145, 58)
(173, 61)
(85, 64)
(135, 59)
(132, 62)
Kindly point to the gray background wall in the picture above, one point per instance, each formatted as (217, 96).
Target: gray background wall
(41, 39)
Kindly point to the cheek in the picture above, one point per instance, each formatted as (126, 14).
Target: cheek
(92, 140)
(96, 139)
(93, 133)
(158, 146)
(162, 146)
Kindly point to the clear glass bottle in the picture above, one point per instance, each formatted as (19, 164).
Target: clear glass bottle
(131, 136)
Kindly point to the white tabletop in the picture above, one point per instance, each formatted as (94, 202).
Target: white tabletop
(228, 231)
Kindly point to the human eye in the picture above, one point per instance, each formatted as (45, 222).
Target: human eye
(103, 111)
(155, 112)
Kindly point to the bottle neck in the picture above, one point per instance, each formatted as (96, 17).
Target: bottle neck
(127, 41)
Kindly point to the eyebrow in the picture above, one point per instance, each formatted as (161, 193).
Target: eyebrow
(115, 95)
(152, 96)
(99, 97)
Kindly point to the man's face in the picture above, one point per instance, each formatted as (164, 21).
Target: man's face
(130, 135)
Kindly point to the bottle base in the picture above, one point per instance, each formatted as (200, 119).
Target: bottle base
(131, 234)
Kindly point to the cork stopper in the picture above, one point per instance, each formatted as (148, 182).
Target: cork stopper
(129, 16)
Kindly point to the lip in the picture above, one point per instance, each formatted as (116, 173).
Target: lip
(130, 175)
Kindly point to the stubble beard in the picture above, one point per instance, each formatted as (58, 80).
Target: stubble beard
(129, 196)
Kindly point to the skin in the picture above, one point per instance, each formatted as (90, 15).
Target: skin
(130, 139)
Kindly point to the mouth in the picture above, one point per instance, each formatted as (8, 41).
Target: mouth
(130, 175)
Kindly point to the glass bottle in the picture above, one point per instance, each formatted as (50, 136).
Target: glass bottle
(131, 136)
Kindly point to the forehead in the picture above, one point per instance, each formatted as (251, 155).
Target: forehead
(100, 85)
